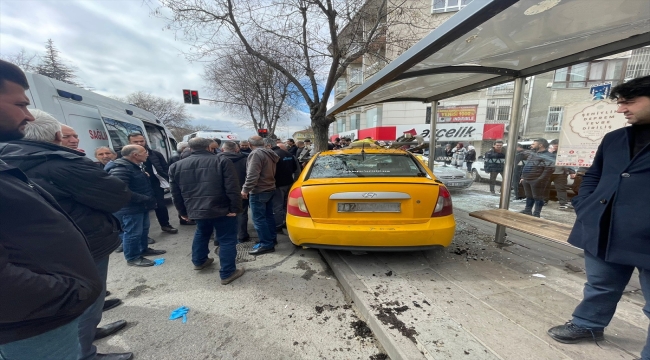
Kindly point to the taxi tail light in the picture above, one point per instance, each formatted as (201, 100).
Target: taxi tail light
(443, 205)
(296, 205)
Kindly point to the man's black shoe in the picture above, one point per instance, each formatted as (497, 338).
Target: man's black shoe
(571, 333)
(142, 262)
(109, 304)
(110, 329)
(191, 222)
(150, 241)
(246, 239)
(526, 212)
(169, 229)
(261, 251)
(116, 356)
(108, 293)
(152, 252)
(119, 249)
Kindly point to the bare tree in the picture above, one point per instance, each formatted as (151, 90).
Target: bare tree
(172, 114)
(327, 36)
(245, 85)
(22, 59)
(53, 67)
(190, 128)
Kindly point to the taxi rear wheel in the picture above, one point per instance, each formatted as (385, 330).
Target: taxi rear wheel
(476, 176)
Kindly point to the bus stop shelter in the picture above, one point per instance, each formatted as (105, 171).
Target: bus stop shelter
(491, 42)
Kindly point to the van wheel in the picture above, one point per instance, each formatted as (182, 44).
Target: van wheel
(476, 176)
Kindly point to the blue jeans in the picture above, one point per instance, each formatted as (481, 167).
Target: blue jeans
(280, 204)
(61, 343)
(242, 222)
(226, 229)
(135, 231)
(89, 320)
(262, 210)
(604, 288)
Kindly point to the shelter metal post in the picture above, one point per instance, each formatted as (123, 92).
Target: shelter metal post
(509, 166)
(432, 134)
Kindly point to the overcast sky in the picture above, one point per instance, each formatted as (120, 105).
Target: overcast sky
(118, 48)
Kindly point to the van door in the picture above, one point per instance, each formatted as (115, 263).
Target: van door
(118, 132)
(87, 122)
(158, 139)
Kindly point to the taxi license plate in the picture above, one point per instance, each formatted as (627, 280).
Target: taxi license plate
(370, 207)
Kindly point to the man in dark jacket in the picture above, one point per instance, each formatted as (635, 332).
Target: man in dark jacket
(239, 161)
(205, 188)
(494, 162)
(612, 221)
(134, 217)
(291, 147)
(88, 194)
(284, 170)
(245, 147)
(155, 166)
(535, 176)
(47, 275)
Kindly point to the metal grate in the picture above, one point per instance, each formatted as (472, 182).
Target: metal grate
(554, 119)
(639, 63)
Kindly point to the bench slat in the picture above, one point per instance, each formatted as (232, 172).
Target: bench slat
(543, 228)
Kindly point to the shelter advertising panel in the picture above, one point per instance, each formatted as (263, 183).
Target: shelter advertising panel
(585, 126)
(457, 114)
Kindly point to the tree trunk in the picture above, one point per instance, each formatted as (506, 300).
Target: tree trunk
(320, 124)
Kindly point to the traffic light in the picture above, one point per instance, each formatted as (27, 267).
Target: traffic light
(263, 132)
(186, 96)
(195, 97)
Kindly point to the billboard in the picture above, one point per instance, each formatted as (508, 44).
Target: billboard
(447, 132)
(582, 131)
(457, 114)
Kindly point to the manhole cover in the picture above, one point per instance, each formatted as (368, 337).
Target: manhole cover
(242, 252)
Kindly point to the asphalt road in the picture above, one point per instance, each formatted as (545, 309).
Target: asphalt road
(288, 305)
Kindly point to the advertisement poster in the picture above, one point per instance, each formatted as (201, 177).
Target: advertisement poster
(583, 128)
(457, 114)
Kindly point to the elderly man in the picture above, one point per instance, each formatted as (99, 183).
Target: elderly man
(89, 195)
(134, 217)
(285, 169)
(47, 274)
(205, 188)
(156, 165)
(104, 155)
(180, 147)
(259, 188)
(70, 138)
(612, 221)
(229, 150)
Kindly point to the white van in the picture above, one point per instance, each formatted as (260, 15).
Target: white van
(99, 120)
(223, 135)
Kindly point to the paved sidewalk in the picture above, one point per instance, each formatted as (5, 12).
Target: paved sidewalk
(288, 305)
(475, 300)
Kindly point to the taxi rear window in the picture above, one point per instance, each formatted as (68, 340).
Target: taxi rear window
(365, 165)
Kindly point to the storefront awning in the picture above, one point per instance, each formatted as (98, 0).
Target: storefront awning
(491, 42)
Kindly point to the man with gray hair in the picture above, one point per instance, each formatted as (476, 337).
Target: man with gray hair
(285, 170)
(245, 147)
(205, 188)
(179, 150)
(88, 194)
(239, 160)
(104, 155)
(259, 188)
(134, 216)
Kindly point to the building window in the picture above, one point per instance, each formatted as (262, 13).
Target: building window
(427, 116)
(355, 121)
(356, 76)
(442, 6)
(340, 125)
(554, 119)
(507, 88)
(373, 117)
(639, 63)
(498, 109)
(589, 74)
(341, 87)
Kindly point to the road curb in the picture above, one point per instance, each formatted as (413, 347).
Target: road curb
(354, 289)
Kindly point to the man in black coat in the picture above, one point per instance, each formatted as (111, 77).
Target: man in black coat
(205, 188)
(535, 176)
(494, 162)
(291, 147)
(134, 216)
(88, 194)
(156, 166)
(612, 219)
(284, 171)
(47, 275)
(229, 150)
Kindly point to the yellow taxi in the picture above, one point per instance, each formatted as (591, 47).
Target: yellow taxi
(369, 199)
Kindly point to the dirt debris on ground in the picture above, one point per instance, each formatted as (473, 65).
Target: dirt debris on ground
(388, 316)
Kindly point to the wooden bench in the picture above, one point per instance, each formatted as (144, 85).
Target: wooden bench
(546, 229)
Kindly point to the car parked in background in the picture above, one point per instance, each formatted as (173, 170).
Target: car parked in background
(453, 178)
(369, 199)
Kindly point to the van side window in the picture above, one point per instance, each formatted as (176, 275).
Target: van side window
(119, 131)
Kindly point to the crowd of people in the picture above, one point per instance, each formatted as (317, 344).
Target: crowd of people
(63, 214)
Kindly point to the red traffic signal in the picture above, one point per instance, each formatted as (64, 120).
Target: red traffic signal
(187, 98)
(263, 132)
(195, 97)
